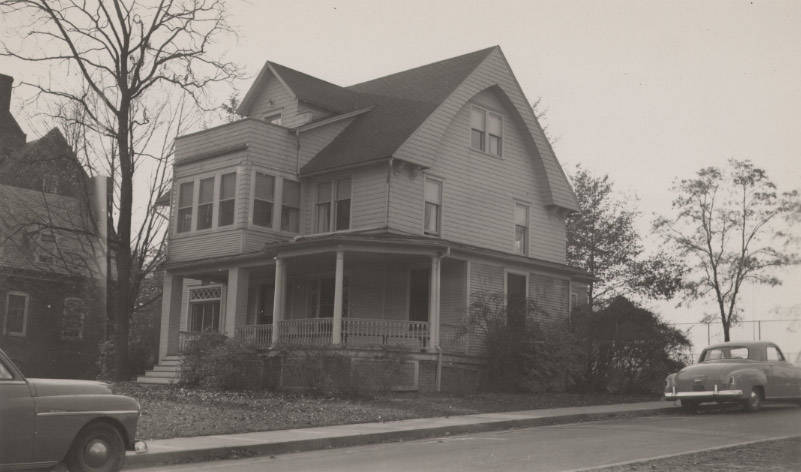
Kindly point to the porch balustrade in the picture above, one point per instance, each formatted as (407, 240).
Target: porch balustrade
(185, 338)
(367, 332)
(257, 335)
(305, 331)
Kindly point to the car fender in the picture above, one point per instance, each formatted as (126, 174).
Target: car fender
(59, 419)
(748, 378)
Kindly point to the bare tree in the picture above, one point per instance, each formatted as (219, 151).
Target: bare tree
(123, 63)
(731, 227)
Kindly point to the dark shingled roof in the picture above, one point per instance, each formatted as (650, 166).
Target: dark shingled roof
(315, 91)
(402, 102)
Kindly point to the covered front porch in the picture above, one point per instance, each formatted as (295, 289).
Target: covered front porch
(391, 297)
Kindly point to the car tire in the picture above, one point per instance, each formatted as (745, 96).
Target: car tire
(689, 406)
(754, 401)
(97, 448)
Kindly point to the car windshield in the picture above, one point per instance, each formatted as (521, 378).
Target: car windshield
(732, 352)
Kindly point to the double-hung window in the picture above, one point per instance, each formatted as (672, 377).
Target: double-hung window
(486, 131)
(205, 203)
(185, 198)
(290, 208)
(332, 210)
(521, 229)
(16, 313)
(433, 206)
(263, 200)
(322, 209)
(73, 319)
(227, 199)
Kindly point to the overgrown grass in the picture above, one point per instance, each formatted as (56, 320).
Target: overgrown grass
(171, 411)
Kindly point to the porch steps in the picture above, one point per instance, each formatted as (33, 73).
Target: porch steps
(168, 371)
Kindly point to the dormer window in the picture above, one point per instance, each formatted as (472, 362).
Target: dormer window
(274, 118)
(486, 131)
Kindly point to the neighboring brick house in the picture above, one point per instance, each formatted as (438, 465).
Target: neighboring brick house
(368, 217)
(52, 295)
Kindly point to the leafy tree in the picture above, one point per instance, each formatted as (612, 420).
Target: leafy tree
(601, 239)
(120, 67)
(730, 227)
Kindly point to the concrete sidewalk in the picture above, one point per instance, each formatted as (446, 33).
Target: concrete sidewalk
(230, 446)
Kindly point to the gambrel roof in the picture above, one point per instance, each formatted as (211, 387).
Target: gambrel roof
(408, 109)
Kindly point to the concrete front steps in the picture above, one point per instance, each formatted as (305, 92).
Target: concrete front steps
(168, 371)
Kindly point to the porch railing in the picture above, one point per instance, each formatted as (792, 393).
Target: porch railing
(365, 332)
(258, 335)
(305, 332)
(185, 338)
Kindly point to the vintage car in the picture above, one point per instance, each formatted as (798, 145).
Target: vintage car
(748, 373)
(44, 422)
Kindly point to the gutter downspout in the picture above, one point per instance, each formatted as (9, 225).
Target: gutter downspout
(389, 189)
(445, 254)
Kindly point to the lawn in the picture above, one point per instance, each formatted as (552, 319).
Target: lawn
(767, 456)
(170, 411)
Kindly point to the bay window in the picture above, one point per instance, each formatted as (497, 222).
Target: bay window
(227, 199)
(185, 199)
(263, 198)
(205, 203)
(290, 208)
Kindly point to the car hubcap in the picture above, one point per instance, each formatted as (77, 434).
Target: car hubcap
(97, 452)
(754, 399)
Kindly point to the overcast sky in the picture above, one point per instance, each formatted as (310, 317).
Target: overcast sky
(645, 91)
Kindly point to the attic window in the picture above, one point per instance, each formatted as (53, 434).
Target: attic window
(274, 118)
(486, 131)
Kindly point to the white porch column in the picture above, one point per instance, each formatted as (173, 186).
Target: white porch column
(236, 300)
(433, 303)
(278, 297)
(172, 291)
(336, 331)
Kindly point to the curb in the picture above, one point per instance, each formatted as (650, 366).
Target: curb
(305, 445)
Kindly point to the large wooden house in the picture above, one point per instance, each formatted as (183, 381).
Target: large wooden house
(368, 216)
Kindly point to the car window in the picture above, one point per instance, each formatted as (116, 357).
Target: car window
(5, 374)
(737, 352)
(774, 354)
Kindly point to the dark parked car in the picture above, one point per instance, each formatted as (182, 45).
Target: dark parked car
(47, 421)
(742, 372)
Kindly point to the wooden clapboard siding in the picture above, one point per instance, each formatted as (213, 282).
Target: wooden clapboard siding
(274, 96)
(406, 200)
(479, 190)
(551, 295)
(225, 242)
(453, 296)
(368, 197)
(255, 239)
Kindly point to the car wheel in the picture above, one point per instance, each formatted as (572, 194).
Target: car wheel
(97, 448)
(690, 406)
(754, 401)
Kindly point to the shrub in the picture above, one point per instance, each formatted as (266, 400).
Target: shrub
(215, 362)
(105, 360)
(627, 348)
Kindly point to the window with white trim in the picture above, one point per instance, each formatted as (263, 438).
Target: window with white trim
(185, 199)
(73, 318)
(332, 209)
(16, 322)
(227, 202)
(486, 131)
(290, 207)
(433, 206)
(263, 200)
(205, 203)
(521, 229)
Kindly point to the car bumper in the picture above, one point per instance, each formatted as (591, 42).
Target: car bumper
(705, 395)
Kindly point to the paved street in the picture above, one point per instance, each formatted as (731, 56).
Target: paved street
(552, 448)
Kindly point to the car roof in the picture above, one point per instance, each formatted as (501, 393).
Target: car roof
(741, 343)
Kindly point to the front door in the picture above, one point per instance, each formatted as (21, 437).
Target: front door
(419, 285)
(17, 418)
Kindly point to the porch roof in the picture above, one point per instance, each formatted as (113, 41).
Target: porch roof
(383, 239)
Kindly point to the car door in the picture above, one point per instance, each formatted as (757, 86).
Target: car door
(780, 372)
(17, 416)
